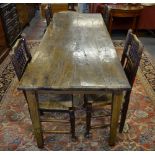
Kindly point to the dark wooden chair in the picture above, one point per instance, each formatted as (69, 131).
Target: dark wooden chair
(71, 6)
(133, 14)
(49, 6)
(131, 59)
(48, 102)
(131, 63)
(20, 57)
(48, 14)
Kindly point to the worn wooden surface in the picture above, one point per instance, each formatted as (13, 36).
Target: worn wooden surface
(34, 113)
(75, 53)
(116, 106)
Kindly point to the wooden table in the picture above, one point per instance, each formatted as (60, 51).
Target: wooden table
(129, 12)
(75, 56)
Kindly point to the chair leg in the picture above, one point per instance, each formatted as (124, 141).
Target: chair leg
(72, 121)
(110, 25)
(85, 102)
(41, 112)
(88, 119)
(123, 59)
(124, 111)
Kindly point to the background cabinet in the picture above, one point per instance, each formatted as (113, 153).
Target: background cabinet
(10, 28)
(9, 23)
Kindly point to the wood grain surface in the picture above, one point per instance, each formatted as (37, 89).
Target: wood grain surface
(75, 54)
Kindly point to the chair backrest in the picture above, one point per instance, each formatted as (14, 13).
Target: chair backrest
(133, 59)
(48, 14)
(126, 45)
(20, 57)
(105, 14)
(50, 10)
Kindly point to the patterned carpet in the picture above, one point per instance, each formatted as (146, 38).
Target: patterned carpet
(16, 128)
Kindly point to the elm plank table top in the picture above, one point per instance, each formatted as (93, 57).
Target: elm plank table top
(76, 53)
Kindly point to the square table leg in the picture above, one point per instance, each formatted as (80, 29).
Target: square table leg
(34, 113)
(116, 106)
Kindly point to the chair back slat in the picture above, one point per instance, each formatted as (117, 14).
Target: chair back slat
(48, 14)
(133, 57)
(20, 57)
(126, 46)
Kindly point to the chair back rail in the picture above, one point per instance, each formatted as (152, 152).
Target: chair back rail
(133, 59)
(20, 57)
(48, 14)
(127, 44)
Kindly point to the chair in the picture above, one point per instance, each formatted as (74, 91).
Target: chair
(48, 102)
(124, 13)
(71, 6)
(50, 10)
(131, 63)
(48, 14)
(132, 55)
(20, 57)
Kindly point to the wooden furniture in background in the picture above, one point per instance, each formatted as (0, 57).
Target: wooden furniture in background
(59, 7)
(10, 28)
(75, 58)
(147, 18)
(26, 12)
(127, 12)
(54, 8)
(42, 10)
(47, 16)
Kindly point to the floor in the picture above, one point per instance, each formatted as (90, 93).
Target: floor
(149, 43)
